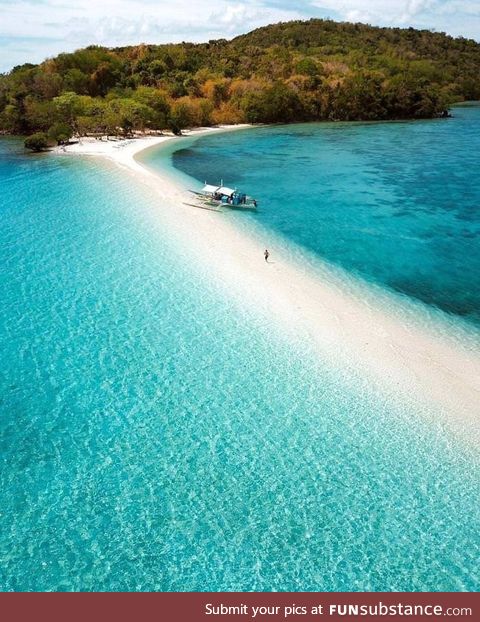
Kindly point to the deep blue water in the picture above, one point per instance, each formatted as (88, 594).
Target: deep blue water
(395, 203)
(149, 442)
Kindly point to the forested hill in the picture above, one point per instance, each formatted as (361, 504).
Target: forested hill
(294, 71)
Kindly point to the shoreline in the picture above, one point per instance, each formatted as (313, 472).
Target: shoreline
(404, 359)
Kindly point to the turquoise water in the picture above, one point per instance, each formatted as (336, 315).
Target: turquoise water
(395, 203)
(157, 435)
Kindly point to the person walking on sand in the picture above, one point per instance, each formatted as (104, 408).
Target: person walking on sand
(266, 254)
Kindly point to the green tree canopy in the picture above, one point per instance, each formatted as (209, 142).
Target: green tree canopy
(60, 133)
(37, 142)
(286, 72)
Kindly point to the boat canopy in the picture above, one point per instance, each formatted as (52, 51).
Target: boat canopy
(224, 190)
(207, 188)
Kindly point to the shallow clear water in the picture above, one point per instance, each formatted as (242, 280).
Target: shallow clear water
(156, 435)
(395, 203)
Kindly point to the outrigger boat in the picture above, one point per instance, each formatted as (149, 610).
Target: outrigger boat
(222, 196)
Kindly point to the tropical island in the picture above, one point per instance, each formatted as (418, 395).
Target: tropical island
(197, 398)
(296, 71)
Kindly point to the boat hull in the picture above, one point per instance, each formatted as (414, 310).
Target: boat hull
(209, 200)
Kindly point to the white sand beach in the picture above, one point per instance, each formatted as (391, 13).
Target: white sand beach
(398, 354)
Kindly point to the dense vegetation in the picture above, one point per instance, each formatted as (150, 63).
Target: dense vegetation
(315, 70)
